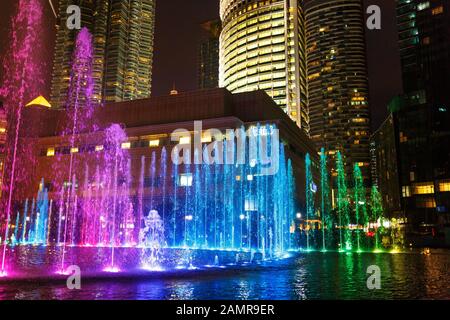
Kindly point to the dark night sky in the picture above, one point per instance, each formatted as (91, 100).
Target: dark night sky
(176, 42)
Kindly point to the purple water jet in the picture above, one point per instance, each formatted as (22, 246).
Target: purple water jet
(22, 81)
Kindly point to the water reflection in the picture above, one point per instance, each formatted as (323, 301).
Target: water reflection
(310, 276)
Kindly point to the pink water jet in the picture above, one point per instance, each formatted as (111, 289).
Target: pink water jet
(22, 81)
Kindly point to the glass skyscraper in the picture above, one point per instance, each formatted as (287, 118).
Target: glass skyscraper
(262, 47)
(422, 114)
(123, 35)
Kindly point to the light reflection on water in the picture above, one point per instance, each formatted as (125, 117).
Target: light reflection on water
(307, 276)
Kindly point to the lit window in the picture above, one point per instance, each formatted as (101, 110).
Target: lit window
(74, 150)
(426, 203)
(444, 186)
(423, 6)
(154, 143)
(50, 152)
(186, 180)
(250, 204)
(126, 145)
(406, 191)
(438, 10)
(99, 148)
(250, 177)
(206, 137)
(2, 130)
(238, 178)
(424, 188)
(185, 140)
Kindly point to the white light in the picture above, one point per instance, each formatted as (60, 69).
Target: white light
(185, 140)
(242, 217)
(189, 218)
(299, 215)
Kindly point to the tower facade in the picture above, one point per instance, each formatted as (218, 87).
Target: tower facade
(337, 80)
(123, 35)
(262, 47)
(208, 68)
(422, 114)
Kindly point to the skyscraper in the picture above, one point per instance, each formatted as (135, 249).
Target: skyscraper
(208, 68)
(422, 114)
(337, 80)
(123, 32)
(262, 46)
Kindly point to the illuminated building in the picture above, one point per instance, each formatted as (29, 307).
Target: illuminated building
(262, 47)
(208, 69)
(148, 124)
(384, 166)
(123, 49)
(338, 90)
(422, 114)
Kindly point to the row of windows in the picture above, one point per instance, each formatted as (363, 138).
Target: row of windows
(424, 188)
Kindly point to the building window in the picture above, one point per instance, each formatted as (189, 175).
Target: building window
(185, 140)
(50, 152)
(186, 180)
(444, 186)
(426, 203)
(250, 204)
(126, 145)
(74, 150)
(206, 137)
(153, 143)
(424, 188)
(423, 6)
(406, 191)
(98, 148)
(437, 10)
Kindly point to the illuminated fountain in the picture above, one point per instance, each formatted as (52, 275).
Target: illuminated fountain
(309, 190)
(22, 79)
(360, 200)
(151, 239)
(171, 213)
(377, 215)
(325, 205)
(343, 206)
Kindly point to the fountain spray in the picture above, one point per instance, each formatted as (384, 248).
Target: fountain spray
(21, 69)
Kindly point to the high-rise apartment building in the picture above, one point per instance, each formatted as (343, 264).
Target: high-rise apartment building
(338, 90)
(208, 60)
(262, 47)
(123, 33)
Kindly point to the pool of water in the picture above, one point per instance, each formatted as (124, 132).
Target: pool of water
(314, 275)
